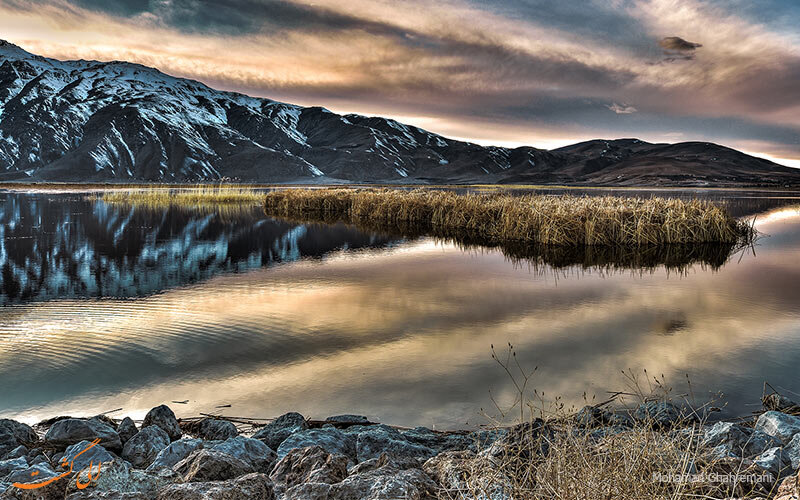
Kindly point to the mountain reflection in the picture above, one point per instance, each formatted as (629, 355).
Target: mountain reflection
(70, 247)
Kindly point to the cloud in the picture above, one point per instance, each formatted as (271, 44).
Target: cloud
(622, 109)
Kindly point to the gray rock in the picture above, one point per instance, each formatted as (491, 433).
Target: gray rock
(459, 471)
(14, 434)
(211, 465)
(309, 465)
(52, 491)
(274, 433)
(778, 425)
(384, 483)
(733, 440)
(12, 464)
(330, 439)
(213, 429)
(775, 462)
(80, 455)
(253, 486)
(792, 451)
(348, 419)
(106, 495)
(384, 439)
(249, 450)
(174, 453)
(74, 430)
(19, 451)
(525, 440)
(440, 441)
(127, 429)
(143, 448)
(777, 402)
(162, 416)
(120, 477)
(660, 414)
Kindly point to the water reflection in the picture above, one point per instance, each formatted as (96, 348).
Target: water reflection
(402, 333)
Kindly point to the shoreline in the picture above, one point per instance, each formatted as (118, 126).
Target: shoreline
(345, 456)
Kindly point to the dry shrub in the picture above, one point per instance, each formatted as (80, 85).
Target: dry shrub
(502, 218)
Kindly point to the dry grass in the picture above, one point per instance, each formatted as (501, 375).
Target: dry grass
(197, 197)
(503, 218)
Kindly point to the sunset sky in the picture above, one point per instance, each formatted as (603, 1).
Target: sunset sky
(508, 72)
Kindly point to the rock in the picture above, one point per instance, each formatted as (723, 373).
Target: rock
(19, 451)
(14, 434)
(143, 448)
(400, 463)
(461, 471)
(52, 491)
(249, 450)
(212, 429)
(211, 465)
(120, 477)
(775, 462)
(660, 414)
(330, 439)
(309, 491)
(162, 416)
(592, 416)
(13, 464)
(309, 465)
(792, 451)
(348, 419)
(107, 495)
(384, 439)
(384, 483)
(253, 486)
(105, 419)
(441, 441)
(127, 429)
(274, 433)
(174, 453)
(74, 430)
(522, 440)
(80, 455)
(778, 425)
(733, 440)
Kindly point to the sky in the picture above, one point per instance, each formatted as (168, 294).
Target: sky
(505, 72)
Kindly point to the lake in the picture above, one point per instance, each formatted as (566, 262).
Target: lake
(106, 306)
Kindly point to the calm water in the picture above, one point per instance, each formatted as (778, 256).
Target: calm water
(106, 307)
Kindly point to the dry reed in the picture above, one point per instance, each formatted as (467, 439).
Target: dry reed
(503, 218)
(197, 197)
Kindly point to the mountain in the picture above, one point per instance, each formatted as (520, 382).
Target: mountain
(89, 121)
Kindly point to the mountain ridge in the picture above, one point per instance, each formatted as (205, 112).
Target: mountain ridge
(91, 121)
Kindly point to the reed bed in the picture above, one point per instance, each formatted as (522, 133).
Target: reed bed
(531, 219)
(196, 197)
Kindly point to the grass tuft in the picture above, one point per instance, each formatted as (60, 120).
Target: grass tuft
(503, 218)
(197, 197)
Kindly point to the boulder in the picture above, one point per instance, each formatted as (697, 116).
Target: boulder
(384, 439)
(211, 465)
(11, 465)
(249, 450)
(162, 416)
(120, 477)
(212, 429)
(43, 471)
(13, 434)
(792, 451)
(330, 439)
(126, 429)
(309, 465)
(274, 433)
(80, 455)
(775, 462)
(384, 483)
(69, 431)
(143, 448)
(660, 414)
(19, 451)
(106, 495)
(522, 440)
(348, 419)
(778, 425)
(461, 471)
(440, 441)
(733, 440)
(174, 453)
(253, 486)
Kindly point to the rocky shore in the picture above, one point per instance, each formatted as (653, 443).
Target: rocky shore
(349, 458)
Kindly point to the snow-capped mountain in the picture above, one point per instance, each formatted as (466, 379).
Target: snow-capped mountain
(118, 121)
